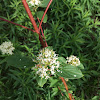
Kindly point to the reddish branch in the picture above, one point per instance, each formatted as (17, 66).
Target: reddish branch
(30, 16)
(42, 34)
(43, 42)
(16, 24)
(60, 91)
(66, 87)
(45, 13)
(41, 28)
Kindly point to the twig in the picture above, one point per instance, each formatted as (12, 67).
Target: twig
(45, 13)
(16, 24)
(66, 87)
(60, 91)
(42, 33)
(41, 27)
(30, 16)
(43, 43)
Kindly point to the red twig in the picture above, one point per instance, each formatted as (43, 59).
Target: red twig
(60, 91)
(45, 13)
(72, 97)
(66, 87)
(41, 28)
(43, 34)
(30, 16)
(16, 24)
(43, 43)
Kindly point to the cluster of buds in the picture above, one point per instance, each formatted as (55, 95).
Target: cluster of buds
(7, 48)
(47, 63)
(73, 60)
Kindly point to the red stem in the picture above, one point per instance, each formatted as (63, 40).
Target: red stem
(43, 43)
(72, 97)
(16, 24)
(63, 80)
(66, 87)
(41, 28)
(30, 16)
(45, 13)
(60, 91)
(43, 34)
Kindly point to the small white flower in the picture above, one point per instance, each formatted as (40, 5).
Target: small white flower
(57, 64)
(58, 70)
(7, 48)
(41, 75)
(47, 77)
(34, 2)
(73, 60)
(52, 72)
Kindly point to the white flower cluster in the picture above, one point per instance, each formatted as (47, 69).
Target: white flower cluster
(34, 2)
(46, 63)
(73, 60)
(7, 48)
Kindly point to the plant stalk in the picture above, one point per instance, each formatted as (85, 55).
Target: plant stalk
(66, 87)
(43, 42)
(16, 24)
(30, 16)
(45, 13)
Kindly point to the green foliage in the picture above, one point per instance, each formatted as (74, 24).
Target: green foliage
(41, 81)
(18, 60)
(40, 14)
(73, 27)
(69, 71)
(52, 81)
(44, 3)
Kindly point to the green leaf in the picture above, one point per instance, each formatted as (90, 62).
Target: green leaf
(29, 94)
(52, 81)
(81, 66)
(95, 98)
(2, 61)
(18, 60)
(41, 81)
(70, 72)
(62, 60)
(55, 91)
(40, 14)
(44, 3)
